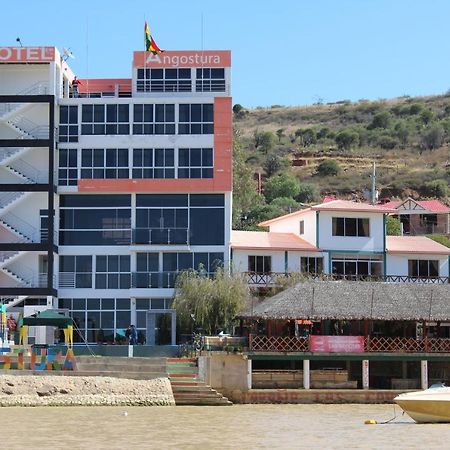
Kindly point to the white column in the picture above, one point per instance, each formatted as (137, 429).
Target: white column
(249, 374)
(306, 375)
(424, 374)
(365, 373)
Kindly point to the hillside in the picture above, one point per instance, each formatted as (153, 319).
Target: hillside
(304, 153)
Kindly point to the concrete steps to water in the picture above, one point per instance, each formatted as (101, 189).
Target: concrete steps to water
(122, 367)
(187, 388)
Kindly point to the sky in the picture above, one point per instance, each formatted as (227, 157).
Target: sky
(284, 52)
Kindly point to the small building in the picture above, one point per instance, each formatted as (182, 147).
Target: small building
(402, 330)
(422, 216)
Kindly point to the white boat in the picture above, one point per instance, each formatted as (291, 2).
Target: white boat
(429, 406)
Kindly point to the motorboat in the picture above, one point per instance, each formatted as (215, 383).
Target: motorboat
(429, 406)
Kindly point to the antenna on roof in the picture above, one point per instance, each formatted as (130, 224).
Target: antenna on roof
(67, 54)
(19, 41)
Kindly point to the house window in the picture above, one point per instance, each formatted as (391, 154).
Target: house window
(68, 124)
(67, 172)
(164, 80)
(349, 226)
(154, 119)
(311, 265)
(260, 264)
(423, 268)
(105, 119)
(302, 227)
(113, 272)
(195, 163)
(210, 80)
(102, 163)
(153, 163)
(359, 267)
(196, 118)
(75, 271)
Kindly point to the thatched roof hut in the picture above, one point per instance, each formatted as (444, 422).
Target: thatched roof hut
(355, 300)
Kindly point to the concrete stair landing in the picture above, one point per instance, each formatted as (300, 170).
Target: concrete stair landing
(187, 388)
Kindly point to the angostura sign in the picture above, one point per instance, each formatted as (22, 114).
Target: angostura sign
(27, 54)
(206, 58)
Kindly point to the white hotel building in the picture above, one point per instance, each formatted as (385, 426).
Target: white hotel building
(105, 197)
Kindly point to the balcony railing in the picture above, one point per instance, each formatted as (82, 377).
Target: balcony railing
(272, 279)
(371, 345)
(153, 280)
(163, 236)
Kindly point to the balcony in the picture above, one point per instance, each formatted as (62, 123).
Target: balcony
(272, 279)
(285, 344)
(161, 236)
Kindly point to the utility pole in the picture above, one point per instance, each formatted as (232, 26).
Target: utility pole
(374, 184)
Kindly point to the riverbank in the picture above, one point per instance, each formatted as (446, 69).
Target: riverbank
(51, 390)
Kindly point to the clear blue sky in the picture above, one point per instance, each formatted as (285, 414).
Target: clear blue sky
(287, 52)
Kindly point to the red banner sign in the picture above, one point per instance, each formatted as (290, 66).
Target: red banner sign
(205, 58)
(337, 344)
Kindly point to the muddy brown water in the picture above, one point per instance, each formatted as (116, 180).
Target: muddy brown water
(234, 427)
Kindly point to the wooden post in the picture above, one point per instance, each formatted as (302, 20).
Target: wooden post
(365, 373)
(306, 375)
(424, 374)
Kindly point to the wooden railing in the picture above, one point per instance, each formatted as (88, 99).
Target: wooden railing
(271, 279)
(372, 344)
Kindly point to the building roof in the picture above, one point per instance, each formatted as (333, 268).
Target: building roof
(415, 244)
(355, 300)
(434, 206)
(269, 241)
(300, 212)
(333, 205)
(347, 205)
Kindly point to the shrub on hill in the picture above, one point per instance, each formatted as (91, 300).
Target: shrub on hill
(437, 188)
(282, 185)
(328, 167)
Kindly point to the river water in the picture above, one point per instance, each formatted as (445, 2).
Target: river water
(234, 427)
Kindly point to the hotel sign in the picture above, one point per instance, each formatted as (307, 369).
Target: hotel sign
(27, 54)
(337, 344)
(206, 58)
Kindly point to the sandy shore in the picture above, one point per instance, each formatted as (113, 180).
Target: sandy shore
(48, 390)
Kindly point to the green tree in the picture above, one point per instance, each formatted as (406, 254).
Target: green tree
(307, 136)
(380, 120)
(237, 108)
(274, 163)
(282, 185)
(426, 116)
(387, 142)
(245, 187)
(433, 137)
(287, 204)
(328, 167)
(280, 134)
(402, 132)
(437, 188)
(308, 193)
(345, 139)
(213, 302)
(393, 226)
(267, 141)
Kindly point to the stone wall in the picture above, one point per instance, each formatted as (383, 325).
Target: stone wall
(50, 390)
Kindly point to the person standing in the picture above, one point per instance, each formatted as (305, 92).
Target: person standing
(75, 84)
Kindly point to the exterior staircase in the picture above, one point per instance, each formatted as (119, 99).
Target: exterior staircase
(120, 367)
(187, 388)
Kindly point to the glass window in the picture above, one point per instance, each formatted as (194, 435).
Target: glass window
(154, 119)
(210, 80)
(113, 272)
(311, 265)
(164, 80)
(68, 123)
(196, 118)
(260, 264)
(105, 119)
(349, 226)
(195, 163)
(67, 171)
(423, 268)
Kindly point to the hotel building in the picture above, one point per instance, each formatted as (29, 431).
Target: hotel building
(105, 196)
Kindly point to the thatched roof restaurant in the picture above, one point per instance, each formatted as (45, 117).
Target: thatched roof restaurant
(355, 300)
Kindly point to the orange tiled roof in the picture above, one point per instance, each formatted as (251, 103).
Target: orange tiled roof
(347, 205)
(269, 241)
(266, 223)
(415, 244)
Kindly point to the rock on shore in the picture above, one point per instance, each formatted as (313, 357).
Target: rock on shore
(51, 390)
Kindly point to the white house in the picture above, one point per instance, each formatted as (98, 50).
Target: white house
(343, 238)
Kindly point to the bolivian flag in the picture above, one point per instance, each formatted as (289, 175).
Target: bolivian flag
(150, 44)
